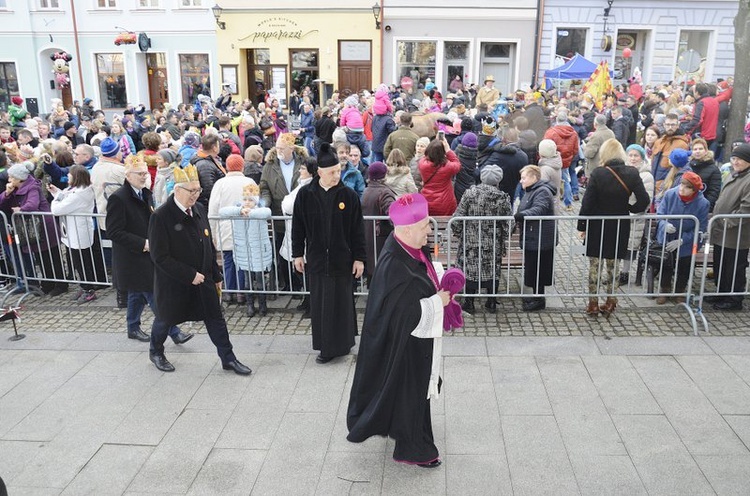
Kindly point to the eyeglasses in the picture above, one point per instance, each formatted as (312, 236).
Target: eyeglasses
(196, 191)
(671, 124)
(140, 174)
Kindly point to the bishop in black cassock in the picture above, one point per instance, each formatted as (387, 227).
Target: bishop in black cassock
(398, 364)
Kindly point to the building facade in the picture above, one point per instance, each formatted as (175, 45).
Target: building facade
(180, 63)
(664, 40)
(325, 45)
(442, 41)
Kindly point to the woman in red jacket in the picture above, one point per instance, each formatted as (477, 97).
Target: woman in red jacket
(438, 167)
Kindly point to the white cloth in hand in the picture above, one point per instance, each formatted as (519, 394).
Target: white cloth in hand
(673, 245)
(670, 229)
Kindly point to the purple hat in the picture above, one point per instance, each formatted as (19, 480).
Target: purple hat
(469, 140)
(679, 157)
(191, 139)
(408, 209)
(377, 170)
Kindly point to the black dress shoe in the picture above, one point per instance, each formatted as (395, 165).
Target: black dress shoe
(238, 367)
(534, 304)
(432, 464)
(161, 363)
(322, 359)
(727, 305)
(491, 305)
(139, 335)
(182, 337)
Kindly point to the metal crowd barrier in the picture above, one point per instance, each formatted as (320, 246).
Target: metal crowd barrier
(10, 280)
(54, 250)
(723, 252)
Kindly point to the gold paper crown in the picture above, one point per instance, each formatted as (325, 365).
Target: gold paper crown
(186, 175)
(132, 161)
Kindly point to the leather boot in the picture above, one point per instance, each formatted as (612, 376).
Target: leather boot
(609, 307)
(251, 305)
(491, 305)
(593, 308)
(262, 308)
(122, 299)
(468, 305)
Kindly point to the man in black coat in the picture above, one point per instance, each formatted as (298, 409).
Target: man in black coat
(128, 212)
(328, 231)
(187, 281)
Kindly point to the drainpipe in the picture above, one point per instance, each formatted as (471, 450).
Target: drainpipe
(78, 48)
(537, 41)
(382, 37)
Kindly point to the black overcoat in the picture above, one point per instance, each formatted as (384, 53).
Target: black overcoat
(389, 392)
(180, 247)
(127, 227)
(606, 196)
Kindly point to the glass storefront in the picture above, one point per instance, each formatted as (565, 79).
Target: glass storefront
(8, 83)
(416, 60)
(195, 76)
(110, 70)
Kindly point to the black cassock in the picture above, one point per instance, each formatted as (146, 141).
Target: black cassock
(389, 393)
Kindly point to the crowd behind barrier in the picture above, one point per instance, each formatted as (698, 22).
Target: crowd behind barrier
(38, 253)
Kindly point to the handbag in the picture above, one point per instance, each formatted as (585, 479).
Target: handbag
(659, 258)
(29, 232)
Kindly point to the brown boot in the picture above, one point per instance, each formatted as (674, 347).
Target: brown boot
(593, 308)
(609, 307)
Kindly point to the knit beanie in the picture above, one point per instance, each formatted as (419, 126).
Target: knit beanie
(377, 170)
(168, 155)
(469, 140)
(637, 148)
(109, 147)
(694, 179)
(679, 157)
(21, 171)
(491, 174)
(191, 139)
(68, 125)
(17, 100)
(742, 152)
(547, 148)
(327, 157)
(235, 163)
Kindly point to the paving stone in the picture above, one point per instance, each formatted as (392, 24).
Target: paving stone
(727, 474)
(638, 345)
(663, 463)
(320, 386)
(541, 346)
(619, 386)
(603, 474)
(740, 424)
(536, 456)
(228, 472)
(351, 474)
(583, 420)
(477, 474)
(519, 387)
(726, 391)
(729, 345)
(97, 477)
(693, 417)
(15, 456)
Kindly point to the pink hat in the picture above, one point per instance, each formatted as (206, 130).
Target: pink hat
(408, 209)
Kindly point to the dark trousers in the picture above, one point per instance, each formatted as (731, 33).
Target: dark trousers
(683, 274)
(89, 265)
(52, 268)
(137, 301)
(729, 271)
(217, 331)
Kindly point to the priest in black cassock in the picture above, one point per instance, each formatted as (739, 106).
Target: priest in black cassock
(399, 354)
(328, 243)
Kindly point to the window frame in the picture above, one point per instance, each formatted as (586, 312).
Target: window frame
(97, 5)
(179, 56)
(49, 7)
(103, 95)
(146, 7)
(192, 4)
(314, 69)
(9, 93)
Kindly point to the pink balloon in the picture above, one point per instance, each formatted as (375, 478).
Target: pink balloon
(627, 53)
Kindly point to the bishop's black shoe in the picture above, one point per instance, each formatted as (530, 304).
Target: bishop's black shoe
(161, 363)
(322, 359)
(237, 367)
(182, 337)
(139, 335)
(432, 464)
(727, 305)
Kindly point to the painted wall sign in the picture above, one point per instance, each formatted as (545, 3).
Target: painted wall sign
(278, 28)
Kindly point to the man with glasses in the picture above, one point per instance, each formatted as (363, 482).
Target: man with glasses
(672, 140)
(128, 213)
(187, 282)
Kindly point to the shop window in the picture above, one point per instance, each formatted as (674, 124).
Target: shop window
(694, 40)
(49, 4)
(262, 56)
(570, 41)
(106, 4)
(3, 4)
(110, 71)
(416, 60)
(496, 50)
(8, 83)
(456, 63)
(305, 69)
(195, 76)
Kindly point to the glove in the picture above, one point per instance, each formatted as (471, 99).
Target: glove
(518, 217)
(673, 245)
(670, 229)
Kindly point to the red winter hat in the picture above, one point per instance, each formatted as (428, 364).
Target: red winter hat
(694, 180)
(235, 163)
(17, 100)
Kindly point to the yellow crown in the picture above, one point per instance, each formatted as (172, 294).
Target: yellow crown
(132, 161)
(186, 175)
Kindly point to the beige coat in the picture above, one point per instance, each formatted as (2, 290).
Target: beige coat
(591, 149)
(400, 180)
(637, 224)
(734, 199)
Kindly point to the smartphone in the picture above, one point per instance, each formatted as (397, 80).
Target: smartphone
(441, 135)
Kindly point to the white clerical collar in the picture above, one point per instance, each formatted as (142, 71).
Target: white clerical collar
(181, 206)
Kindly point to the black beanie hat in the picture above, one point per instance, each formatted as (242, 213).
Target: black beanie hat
(327, 156)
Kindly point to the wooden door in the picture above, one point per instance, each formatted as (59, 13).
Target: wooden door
(157, 80)
(355, 66)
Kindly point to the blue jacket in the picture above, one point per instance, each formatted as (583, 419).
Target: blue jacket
(353, 178)
(60, 174)
(186, 152)
(252, 246)
(671, 204)
(306, 123)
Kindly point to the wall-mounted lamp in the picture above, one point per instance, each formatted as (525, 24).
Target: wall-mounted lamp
(606, 44)
(376, 14)
(217, 14)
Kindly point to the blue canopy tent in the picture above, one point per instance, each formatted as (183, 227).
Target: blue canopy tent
(578, 67)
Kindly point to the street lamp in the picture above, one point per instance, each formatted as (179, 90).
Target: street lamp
(217, 10)
(376, 14)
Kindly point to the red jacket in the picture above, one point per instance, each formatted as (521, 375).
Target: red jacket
(705, 118)
(438, 184)
(566, 139)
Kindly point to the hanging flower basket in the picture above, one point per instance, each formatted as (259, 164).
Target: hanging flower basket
(126, 39)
